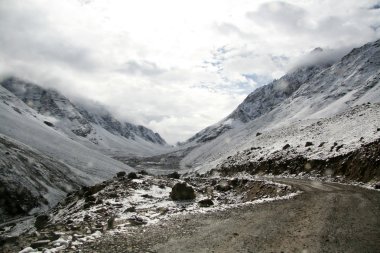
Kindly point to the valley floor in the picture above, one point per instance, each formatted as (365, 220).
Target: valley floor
(326, 217)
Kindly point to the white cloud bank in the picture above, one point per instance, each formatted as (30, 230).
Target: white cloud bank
(173, 66)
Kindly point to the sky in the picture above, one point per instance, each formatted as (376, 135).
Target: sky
(173, 66)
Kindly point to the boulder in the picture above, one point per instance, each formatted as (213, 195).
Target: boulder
(41, 221)
(181, 191)
(121, 174)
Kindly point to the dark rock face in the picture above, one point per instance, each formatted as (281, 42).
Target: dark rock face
(181, 191)
(205, 203)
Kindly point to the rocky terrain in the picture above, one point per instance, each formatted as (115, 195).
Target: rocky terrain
(118, 205)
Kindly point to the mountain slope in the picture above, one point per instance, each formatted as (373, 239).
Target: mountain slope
(88, 124)
(305, 94)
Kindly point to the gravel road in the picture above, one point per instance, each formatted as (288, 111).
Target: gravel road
(326, 217)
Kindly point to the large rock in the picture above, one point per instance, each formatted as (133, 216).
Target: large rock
(41, 221)
(181, 191)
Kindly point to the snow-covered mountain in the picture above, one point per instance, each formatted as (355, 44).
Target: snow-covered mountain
(51, 146)
(307, 93)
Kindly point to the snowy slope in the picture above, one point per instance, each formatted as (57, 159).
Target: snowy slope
(20, 122)
(305, 95)
(90, 125)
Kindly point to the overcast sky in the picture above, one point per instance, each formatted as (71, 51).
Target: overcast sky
(173, 66)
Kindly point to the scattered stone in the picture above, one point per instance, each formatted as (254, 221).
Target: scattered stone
(174, 175)
(136, 221)
(162, 186)
(258, 134)
(205, 203)
(7, 153)
(131, 209)
(223, 186)
(93, 189)
(321, 144)
(41, 221)
(286, 146)
(147, 196)
(49, 123)
(113, 195)
(121, 174)
(339, 147)
(143, 172)
(90, 198)
(308, 144)
(181, 191)
(162, 210)
(40, 243)
(111, 222)
(132, 175)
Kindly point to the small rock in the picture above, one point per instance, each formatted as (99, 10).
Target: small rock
(181, 191)
(90, 198)
(286, 146)
(121, 174)
(143, 172)
(136, 221)
(258, 134)
(147, 196)
(223, 186)
(49, 124)
(132, 175)
(131, 209)
(321, 144)
(111, 222)
(308, 144)
(174, 175)
(377, 186)
(205, 203)
(339, 147)
(39, 244)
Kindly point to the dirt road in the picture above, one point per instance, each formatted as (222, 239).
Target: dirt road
(324, 218)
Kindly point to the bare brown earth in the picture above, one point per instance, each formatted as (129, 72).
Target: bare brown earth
(326, 217)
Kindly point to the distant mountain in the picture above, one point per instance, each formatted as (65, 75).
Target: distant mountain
(79, 119)
(307, 93)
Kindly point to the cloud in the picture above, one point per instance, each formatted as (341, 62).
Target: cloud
(176, 66)
(144, 68)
